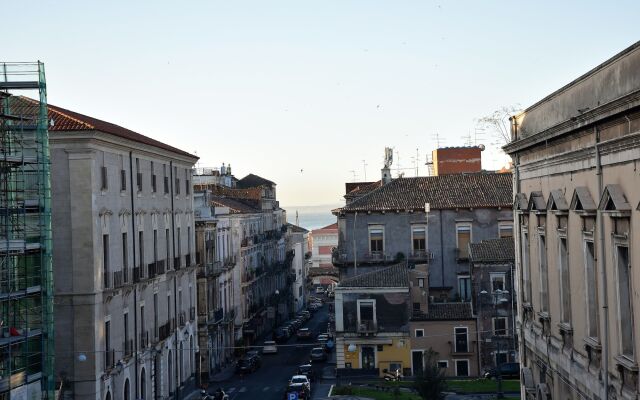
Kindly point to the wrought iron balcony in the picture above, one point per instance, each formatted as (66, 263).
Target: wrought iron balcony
(127, 347)
(367, 327)
(421, 255)
(109, 359)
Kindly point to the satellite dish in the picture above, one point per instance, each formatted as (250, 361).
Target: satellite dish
(481, 147)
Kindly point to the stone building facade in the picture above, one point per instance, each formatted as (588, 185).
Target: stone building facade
(577, 190)
(124, 261)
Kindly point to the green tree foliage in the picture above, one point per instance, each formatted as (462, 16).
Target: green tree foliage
(431, 384)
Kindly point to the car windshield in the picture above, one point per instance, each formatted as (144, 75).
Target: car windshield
(299, 380)
(316, 351)
(269, 343)
(244, 362)
(304, 369)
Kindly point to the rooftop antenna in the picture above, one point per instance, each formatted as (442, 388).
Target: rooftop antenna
(364, 167)
(354, 174)
(468, 141)
(398, 164)
(436, 136)
(478, 133)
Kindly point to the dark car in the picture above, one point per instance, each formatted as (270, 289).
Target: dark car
(247, 365)
(507, 370)
(318, 354)
(304, 334)
(307, 370)
(300, 388)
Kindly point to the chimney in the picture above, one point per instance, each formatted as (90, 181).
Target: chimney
(386, 175)
(457, 160)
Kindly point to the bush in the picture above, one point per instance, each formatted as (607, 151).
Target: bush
(431, 384)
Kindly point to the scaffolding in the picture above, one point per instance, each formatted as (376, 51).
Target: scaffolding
(26, 281)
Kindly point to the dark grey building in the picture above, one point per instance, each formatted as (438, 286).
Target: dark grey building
(425, 220)
(492, 274)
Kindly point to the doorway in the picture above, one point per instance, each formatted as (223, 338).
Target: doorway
(417, 362)
(368, 357)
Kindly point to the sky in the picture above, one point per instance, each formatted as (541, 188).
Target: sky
(309, 93)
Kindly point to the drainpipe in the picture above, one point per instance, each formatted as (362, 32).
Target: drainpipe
(601, 265)
(441, 250)
(521, 288)
(135, 286)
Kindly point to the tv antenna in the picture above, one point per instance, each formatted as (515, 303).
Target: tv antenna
(364, 167)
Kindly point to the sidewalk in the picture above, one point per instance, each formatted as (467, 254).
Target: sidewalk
(224, 375)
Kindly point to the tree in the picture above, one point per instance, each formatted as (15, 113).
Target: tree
(431, 384)
(497, 123)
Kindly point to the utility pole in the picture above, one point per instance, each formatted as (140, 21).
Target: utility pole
(364, 166)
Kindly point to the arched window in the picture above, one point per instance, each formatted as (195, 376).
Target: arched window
(170, 374)
(127, 390)
(108, 396)
(191, 350)
(143, 384)
(181, 364)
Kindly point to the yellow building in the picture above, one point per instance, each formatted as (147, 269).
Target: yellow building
(372, 322)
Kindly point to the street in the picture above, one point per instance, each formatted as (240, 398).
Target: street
(270, 380)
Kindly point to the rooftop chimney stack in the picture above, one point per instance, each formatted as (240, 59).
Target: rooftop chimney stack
(386, 171)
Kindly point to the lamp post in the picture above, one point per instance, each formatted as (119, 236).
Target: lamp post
(277, 298)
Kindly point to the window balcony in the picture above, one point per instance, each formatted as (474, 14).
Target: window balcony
(177, 263)
(366, 327)
(421, 255)
(109, 359)
(144, 340)
(127, 348)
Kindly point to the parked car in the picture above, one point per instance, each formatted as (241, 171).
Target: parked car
(246, 365)
(300, 389)
(304, 333)
(280, 336)
(269, 347)
(300, 379)
(307, 370)
(507, 370)
(318, 354)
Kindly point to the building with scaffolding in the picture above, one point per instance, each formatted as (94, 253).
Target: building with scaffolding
(26, 291)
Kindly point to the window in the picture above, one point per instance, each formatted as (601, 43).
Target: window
(591, 289)
(416, 306)
(123, 180)
(142, 325)
(462, 367)
(526, 270)
(565, 289)
(421, 282)
(177, 183)
(544, 274)
(501, 357)
(444, 364)
(138, 175)
(188, 241)
(153, 178)
(107, 343)
(179, 244)
(376, 240)
(166, 179)
(141, 250)
(464, 287)
(461, 340)
(105, 259)
(497, 282)
(463, 238)
(187, 183)
(505, 229)
(167, 238)
(500, 326)
(127, 348)
(366, 315)
(155, 246)
(104, 179)
(419, 239)
(155, 315)
(625, 311)
(125, 257)
(419, 333)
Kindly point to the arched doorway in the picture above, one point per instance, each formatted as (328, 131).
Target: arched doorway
(170, 374)
(181, 364)
(191, 350)
(127, 390)
(143, 384)
(108, 396)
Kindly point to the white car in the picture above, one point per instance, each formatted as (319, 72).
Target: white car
(301, 379)
(269, 347)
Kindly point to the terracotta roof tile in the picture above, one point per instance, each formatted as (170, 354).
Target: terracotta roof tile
(65, 120)
(441, 192)
(235, 206)
(396, 276)
(492, 251)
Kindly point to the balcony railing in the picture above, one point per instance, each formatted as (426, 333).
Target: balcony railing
(367, 326)
(218, 315)
(109, 359)
(127, 347)
(151, 270)
(421, 255)
(165, 330)
(177, 263)
(182, 318)
(160, 267)
(137, 274)
(377, 256)
(117, 279)
(187, 260)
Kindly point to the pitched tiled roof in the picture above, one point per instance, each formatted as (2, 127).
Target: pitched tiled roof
(296, 228)
(66, 121)
(235, 206)
(445, 311)
(361, 189)
(396, 276)
(492, 251)
(441, 192)
(253, 180)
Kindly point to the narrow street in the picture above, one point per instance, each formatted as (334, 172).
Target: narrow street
(270, 380)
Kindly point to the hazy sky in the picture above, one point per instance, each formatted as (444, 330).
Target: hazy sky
(301, 92)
